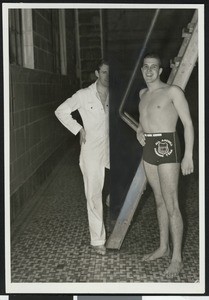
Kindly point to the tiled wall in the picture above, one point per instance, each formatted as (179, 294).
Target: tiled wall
(43, 39)
(90, 41)
(37, 138)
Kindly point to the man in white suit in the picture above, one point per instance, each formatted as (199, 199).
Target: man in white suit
(93, 105)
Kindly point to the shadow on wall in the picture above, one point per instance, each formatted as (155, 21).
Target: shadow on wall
(124, 42)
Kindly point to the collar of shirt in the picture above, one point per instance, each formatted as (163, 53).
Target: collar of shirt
(94, 88)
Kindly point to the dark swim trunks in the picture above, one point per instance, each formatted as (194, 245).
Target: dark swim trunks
(162, 148)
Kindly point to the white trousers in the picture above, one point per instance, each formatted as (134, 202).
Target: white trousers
(93, 176)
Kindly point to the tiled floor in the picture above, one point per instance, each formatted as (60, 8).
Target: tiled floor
(53, 244)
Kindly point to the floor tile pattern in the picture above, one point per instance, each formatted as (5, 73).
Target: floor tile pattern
(53, 243)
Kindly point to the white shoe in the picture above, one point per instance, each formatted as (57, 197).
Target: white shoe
(100, 249)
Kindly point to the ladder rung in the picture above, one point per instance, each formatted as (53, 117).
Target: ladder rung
(186, 33)
(176, 62)
(191, 26)
(185, 61)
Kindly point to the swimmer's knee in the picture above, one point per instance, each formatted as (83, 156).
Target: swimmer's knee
(173, 210)
(171, 197)
(160, 203)
(158, 195)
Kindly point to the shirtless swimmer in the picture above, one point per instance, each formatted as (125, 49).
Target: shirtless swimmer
(160, 107)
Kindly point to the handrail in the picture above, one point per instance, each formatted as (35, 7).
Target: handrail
(125, 116)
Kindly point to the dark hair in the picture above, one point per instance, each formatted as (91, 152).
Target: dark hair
(100, 63)
(153, 55)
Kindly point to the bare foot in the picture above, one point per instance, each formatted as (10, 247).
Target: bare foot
(174, 269)
(156, 254)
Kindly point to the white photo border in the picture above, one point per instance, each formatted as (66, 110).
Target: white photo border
(106, 288)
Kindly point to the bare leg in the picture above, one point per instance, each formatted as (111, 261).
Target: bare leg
(153, 179)
(169, 174)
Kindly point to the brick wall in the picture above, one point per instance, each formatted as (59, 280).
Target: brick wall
(37, 138)
(89, 40)
(44, 55)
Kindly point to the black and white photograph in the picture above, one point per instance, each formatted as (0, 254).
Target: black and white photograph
(104, 148)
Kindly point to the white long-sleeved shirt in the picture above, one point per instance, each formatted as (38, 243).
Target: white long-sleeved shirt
(95, 119)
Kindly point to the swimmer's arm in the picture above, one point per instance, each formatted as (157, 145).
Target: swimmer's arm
(182, 108)
(140, 133)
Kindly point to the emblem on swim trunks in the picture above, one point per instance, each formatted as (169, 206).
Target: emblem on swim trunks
(163, 148)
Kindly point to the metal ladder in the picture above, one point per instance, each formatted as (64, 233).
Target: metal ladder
(182, 67)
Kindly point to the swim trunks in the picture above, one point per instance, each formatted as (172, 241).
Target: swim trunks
(162, 148)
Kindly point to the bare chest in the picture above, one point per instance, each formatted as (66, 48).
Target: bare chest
(154, 103)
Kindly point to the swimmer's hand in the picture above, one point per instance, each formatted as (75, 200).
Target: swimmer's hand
(140, 137)
(82, 136)
(187, 166)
